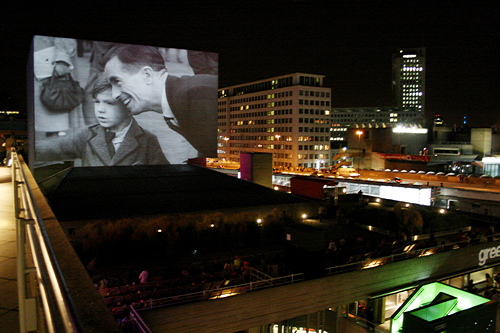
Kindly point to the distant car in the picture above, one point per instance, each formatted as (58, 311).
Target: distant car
(388, 170)
(421, 172)
(450, 174)
(395, 170)
(397, 179)
(440, 173)
(417, 184)
(431, 173)
(403, 171)
(412, 171)
(485, 176)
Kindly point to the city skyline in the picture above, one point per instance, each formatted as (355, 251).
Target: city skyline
(350, 42)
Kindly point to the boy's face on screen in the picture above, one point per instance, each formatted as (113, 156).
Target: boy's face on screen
(111, 113)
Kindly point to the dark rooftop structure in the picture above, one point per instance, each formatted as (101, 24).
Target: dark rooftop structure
(127, 191)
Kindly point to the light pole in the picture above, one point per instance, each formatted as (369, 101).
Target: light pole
(359, 133)
(226, 148)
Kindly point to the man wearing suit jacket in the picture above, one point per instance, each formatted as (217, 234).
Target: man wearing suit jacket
(188, 103)
(117, 139)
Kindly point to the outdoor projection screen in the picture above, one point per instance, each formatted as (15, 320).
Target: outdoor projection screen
(160, 103)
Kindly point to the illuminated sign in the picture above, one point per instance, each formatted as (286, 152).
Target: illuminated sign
(413, 130)
(485, 254)
(155, 105)
(434, 302)
(419, 158)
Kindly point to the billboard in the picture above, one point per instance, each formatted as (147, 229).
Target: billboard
(108, 104)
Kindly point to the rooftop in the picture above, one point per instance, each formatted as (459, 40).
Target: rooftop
(127, 191)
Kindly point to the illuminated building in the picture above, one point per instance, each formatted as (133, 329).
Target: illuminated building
(371, 117)
(287, 115)
(438, 121)
(408, 78)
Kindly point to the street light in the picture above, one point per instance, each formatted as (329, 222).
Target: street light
(359, 133)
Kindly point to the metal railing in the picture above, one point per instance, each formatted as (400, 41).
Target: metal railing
(219, 292)
(57, 308)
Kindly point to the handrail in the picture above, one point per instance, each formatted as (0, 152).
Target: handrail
(141, 325)
(58, 309)
(220, 292)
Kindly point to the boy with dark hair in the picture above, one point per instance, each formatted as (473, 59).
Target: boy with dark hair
(117, 139)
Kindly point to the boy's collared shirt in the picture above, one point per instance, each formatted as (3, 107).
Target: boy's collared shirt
(120, 136)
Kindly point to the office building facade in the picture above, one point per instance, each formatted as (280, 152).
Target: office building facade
(288, 116)
(408, 78)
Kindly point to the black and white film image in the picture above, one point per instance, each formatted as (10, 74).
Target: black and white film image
(110, 104)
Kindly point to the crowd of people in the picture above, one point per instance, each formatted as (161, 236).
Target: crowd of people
(490, 288)
(138, 289)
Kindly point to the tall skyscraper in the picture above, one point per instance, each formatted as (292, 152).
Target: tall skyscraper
(408, 78)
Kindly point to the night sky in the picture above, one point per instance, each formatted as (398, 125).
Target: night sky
(349, 41)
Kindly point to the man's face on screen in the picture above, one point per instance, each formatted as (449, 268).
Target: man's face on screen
(131, 86)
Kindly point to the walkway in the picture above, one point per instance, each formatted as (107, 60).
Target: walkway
(9, 315)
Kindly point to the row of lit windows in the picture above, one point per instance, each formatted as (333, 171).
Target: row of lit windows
(268, 146)
(282, 155)
(261, 114)
(309, 81)
(248, 99)
(282, 164)
(314, 147)
(261, 122)
(261, 129)
(410, 77)
(312, 156)
(259, 106)
(313, 129)
(314, 111)
(259, 138)
(279, 95)
(261, 97)
(266, 85)
(312, 102)
(408, 81)
(260, 146)
(313, 121)
(314, 93)
(413, 69)
(312, 138)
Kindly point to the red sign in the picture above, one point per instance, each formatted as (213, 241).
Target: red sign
(418, 158)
